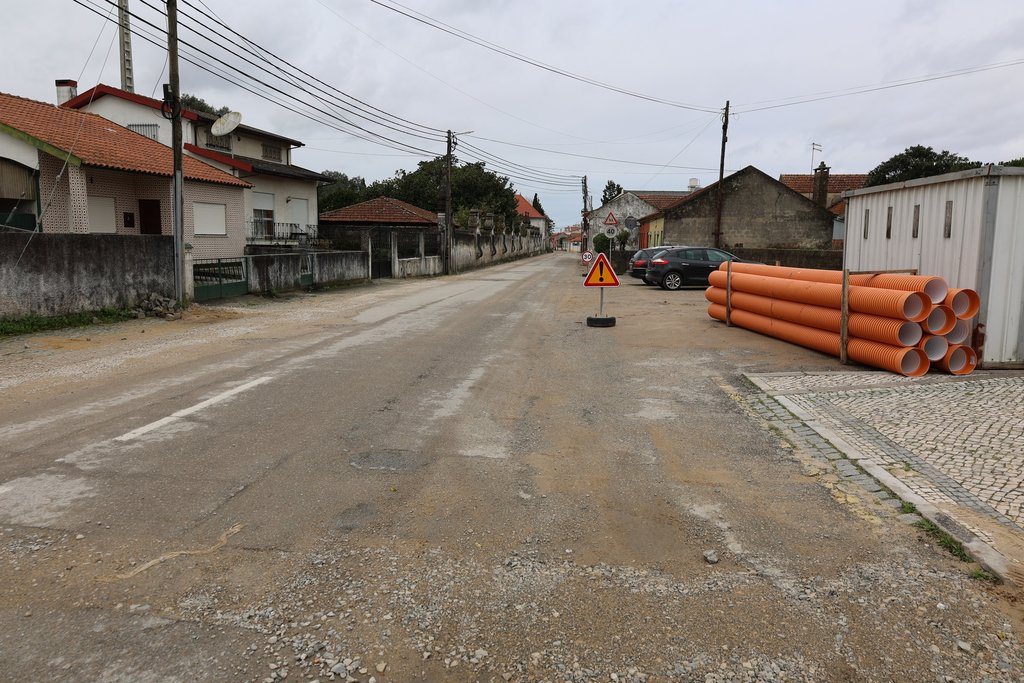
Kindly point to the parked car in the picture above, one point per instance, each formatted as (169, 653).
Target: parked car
(679, 266)
(638, 264)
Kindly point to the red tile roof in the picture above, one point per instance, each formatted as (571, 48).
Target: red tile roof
(525, 208)
(383, 210)
(94, 141)
(837, 182)
(660, 201)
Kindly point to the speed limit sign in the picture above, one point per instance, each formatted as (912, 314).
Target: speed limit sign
(609, 231)
(588, 256)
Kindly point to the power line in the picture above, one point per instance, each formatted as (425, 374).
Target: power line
(468, 37)
(587, 156)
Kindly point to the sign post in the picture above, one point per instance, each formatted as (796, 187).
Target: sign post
(601, 275)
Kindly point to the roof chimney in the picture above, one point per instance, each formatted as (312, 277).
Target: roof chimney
(67, 89)
(819, 191)
(694, 184)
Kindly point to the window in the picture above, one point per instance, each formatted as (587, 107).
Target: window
(947, 227)
(888, 224)
(271, 152)
(209, 219)
(917, 220)
(102, 216)
(692, 254)
(150, 130)
(867, 217)
(218, 141)
(716, 256)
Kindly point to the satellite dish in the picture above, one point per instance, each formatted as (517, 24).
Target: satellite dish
(226, 123)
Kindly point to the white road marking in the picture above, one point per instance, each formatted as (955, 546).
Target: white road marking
(185, 412)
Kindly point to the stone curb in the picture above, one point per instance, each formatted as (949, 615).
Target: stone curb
(988, 557)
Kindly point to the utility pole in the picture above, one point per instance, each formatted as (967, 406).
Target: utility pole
(127, 73)
(585, 223)
(449, 240)
(172, 97)
(721, 176)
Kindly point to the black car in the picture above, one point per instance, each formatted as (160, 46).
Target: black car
(638, 264)
(679, 266)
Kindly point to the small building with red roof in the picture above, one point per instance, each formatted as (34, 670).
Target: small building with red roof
(539, 223)
(88, 174)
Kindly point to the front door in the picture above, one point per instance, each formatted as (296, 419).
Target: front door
(149, 217)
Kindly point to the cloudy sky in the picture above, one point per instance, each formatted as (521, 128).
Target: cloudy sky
(692, 56)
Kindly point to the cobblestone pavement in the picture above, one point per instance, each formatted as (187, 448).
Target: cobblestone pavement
(958, 443)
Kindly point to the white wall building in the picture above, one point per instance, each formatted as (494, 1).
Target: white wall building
(967, 227)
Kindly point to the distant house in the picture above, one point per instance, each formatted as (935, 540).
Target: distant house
(76, 172)
(559, 241)
(758, 212)
(826, 188)
(403, 240)
(624, 211)
(280, 208)
(538, 222)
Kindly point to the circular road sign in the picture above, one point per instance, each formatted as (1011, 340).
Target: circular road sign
(588, 256)
(609, 231)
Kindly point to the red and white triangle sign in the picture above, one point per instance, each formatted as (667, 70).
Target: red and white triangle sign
(610, 219)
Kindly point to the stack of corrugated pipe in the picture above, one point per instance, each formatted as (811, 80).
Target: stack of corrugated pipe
(900, 323)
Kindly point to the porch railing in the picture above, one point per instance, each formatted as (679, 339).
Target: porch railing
(278, 233)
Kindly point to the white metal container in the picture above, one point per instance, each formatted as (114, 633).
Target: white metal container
(967, 227)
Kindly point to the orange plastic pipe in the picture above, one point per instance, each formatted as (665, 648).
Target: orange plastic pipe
(862, 325)
(940, 320)
(959, 360)
(935, 287)
(934, 346)
(964, 302)
(889, 303)
(960, 333)
(907, 361)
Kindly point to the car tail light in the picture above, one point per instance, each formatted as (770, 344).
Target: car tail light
(659, 262)
(639, 262)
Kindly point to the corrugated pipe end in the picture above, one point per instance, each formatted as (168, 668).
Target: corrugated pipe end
(911, 362)
(934, 347)
(964, 302)
(960, 333)
(940, 320)
(959, 360)
(917, 306)
(910, 334)
(934, 287)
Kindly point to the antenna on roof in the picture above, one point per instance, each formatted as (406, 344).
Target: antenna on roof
(226, 123)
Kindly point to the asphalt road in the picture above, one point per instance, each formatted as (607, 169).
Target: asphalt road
(448, 479)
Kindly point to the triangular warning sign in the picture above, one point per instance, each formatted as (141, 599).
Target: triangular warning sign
(610, 219)
(601, 274)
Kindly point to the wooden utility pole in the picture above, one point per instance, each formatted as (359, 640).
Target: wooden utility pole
(449, 240)
(721, 176)
(172, 100)
(124, 28)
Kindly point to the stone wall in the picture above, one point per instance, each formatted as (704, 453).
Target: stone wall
(282, 272)
(828, 259)
(70, 273)
(759, 212)
(472, 251)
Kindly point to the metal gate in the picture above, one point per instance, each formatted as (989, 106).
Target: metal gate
(306, 271)
(219, 278)
(380, 254)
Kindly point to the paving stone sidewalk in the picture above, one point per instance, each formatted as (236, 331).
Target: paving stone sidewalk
(958, 443)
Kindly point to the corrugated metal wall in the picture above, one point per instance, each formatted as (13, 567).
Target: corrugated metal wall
(931, 252)
(1005, 327)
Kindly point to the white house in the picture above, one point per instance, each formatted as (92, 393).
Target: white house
(967, 227)
(281, 207)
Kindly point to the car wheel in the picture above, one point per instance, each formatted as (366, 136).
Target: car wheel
(672, 281)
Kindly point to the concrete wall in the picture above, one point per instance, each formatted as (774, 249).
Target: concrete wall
(759, 213)
(61, 274)
(466, 256)
(828, 259)
(281, 272)
(415, 267)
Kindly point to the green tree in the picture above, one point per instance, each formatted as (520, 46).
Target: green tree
(918, 162)
(536, 204)
(199, 104)
(342, 191)
(601, 243)
(1019, 161)
(611, 190)
(622, 237)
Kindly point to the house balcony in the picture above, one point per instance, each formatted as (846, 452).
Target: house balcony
(280, 234)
